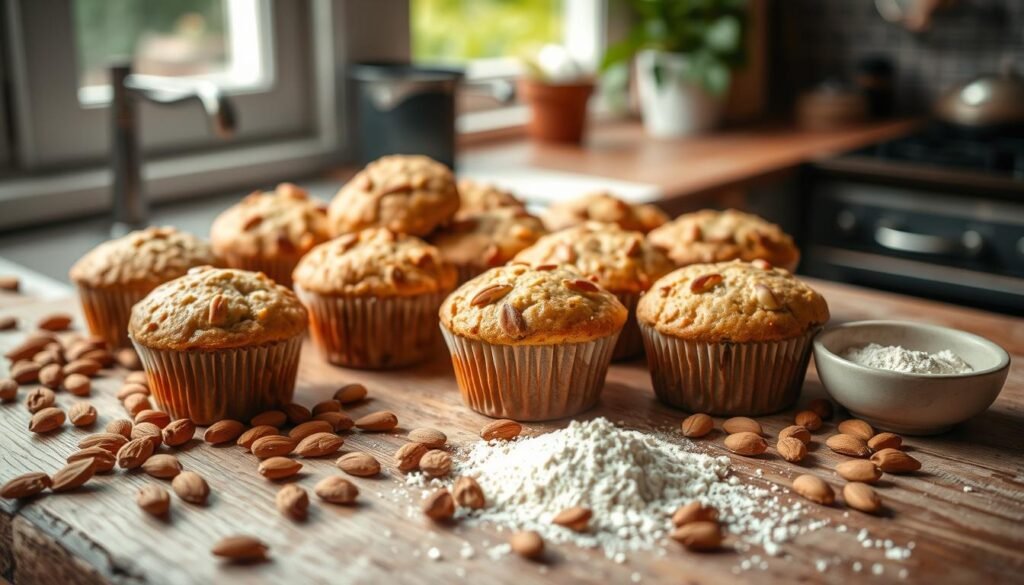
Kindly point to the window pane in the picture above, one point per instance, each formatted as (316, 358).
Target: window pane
(456, 31)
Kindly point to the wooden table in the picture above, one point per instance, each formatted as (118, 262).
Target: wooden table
(964, 511)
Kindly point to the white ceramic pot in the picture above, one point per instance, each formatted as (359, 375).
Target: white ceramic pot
(673, 106)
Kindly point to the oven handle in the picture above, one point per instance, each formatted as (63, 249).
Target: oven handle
(904, 241)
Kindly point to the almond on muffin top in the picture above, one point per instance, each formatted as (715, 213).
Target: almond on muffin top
(606, 208)
(732, 301)
(519, 305)
(142, 259)
(488, 238)
(716, 236)
(284, 222)
(216, 308)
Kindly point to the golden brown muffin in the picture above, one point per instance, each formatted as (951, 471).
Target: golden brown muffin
(269, 232)
(716, 236)
(217, 308)
(406, 194)
(605, 208)
(482, 240)
(476, 197)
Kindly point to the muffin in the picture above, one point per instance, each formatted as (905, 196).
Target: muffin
(219, 343)
(605, 208)
(717, 236)
(485, 239)
(730, 338)
(475, 197)
(621, 261)
(116, 274)
(531, 343)
(373, 298)
(269, 232)
(405, 194)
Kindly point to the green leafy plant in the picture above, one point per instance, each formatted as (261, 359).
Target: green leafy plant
(709, 32)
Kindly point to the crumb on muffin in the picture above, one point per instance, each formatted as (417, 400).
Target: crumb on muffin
(282, 223)
(142, 259)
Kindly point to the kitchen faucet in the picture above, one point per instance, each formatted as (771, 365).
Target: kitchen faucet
(130, 206)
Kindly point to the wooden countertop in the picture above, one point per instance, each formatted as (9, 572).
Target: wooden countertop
(964, 511)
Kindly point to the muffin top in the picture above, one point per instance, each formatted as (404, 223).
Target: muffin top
(142, 259)
(716, 236)
(406, 194)
(732, 301)
(519, 305)
(476, 197)
(216, 308)
(606, 208)
(488, 238)
(285, 222)
(375, 262)
(622, 261)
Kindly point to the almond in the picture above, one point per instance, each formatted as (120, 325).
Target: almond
(885, 441)
(100, 357)
(293, 502)
(279, 468)
(808, 420)
(78, 384)
(73, 475)
(310, 427)
(694, 512)
(128, 359)
(761, 263)
(358, 464)
(439, 505)
(490, 295)
(28, 348)
(377, 421)
(111, 442)
(136, 403)
(178, 432)
(821, 407)
(766, 298)
(501, 430)
(105, 460)
(430, 438)
(350, 393)
(191, 487)
(861, 496)
(338, 420)
(130, 389)
(250, 436)
(895, 461)
(856, 428)
(326, 406)
(156, 417)
(162, 466)
(408, 456)
(8, 322)
(797, 432)
(223, 431)
(336, 490)
(137, 378)
(698, 536)
(51, 376)
(46, 420)
(512, 321)
(272, 446)
(527, 544)
(860, 470)
(319, 445)
(25, 372)
(576, 518)
(8, 389)
(271, 418)
(705, 283)
(746, 443)
(25, 485)
(153, 499)
(82, 414)
(436, 463)
(55, 322)
(46, 358)
(135, 452)
(468, 493)
(297, 414)
(847, 445)
(84, 366)
(38, 399)
(697, 425)
(741, 424)
(149, 431)
(10, 283)
(241, 549)
(581, 286)
(791, 449)
(814, 489)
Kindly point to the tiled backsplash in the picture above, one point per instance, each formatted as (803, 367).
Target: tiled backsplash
(819, 39)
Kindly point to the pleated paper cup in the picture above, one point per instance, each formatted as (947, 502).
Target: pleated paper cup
(467, 272)
(727, 379)
(630, 344)
(107, 311)
(207, 386)
(374, 332)
(530, 382)
(278, 269)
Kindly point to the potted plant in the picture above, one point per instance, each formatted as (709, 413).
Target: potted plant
(685, 53)
(557, 89)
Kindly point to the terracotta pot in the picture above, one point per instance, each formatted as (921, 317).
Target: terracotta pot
(558, 111)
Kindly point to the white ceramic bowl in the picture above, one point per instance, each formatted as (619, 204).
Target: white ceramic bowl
(912, 404)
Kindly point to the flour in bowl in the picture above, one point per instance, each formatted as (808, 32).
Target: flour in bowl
(901, 359)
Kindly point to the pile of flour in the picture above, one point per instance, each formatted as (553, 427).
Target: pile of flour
(900, 359)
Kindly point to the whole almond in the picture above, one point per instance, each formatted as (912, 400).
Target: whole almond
(512, 321)
(814, 489)
(7, 322)
(25, 485)
(245, 549)
(856, 428)
(137, 378)
(860, 470)
(153, 499)
(191, 487)
(100, 356)
(527, 544)
(108, 441)
(8, 389)
(350, 393)
(821, 407)
(705, 283)
(430, 438)
(861, 496)
(73, 475)
(145, 430)
(46, 420)
(436, 463)
(272, 446)
(326, 406)
(895, 461)
(25, 372)
(408, 456)
(381, 421)
(791, 449)
(28, 348)
(223, 431)
(848, 445)
(575, 518)
(135, 452)
(46, 359)
(39, 398)
(55, 322)
(128, 359)
(439, 505)
(162, 466)
(130, 389)
(319, 445)
(51, 376)
(297, 414)
(178, 432)
(82, 414)
(468, 493)
(694, 512)
(136, 403)
(310, 427)
(698, 536)
(885, 441)
(279, 468)
(76, 348)
(741, 424)
(159, 418)
(78, 385)
(797, 432)
(250, 436)
(336, 490)
(358, 464)
(105, 460)
(697, 425)
(746, 443)
(808, 420)
(501, 430)
(84, 366)
(338, 420)
(490, 295)
(272, 418)
(293, 502)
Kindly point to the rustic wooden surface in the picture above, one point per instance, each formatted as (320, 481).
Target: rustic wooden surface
(98, 535)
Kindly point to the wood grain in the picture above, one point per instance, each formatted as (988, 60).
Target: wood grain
(98, 535)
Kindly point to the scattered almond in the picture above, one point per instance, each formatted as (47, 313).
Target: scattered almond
(860, 470)
(326, 406)
(46, 420)
(746, 443)
(694, 512)
(338, 420)
(73, 475)
(358, 464)
(39, 398)
(135, 452)
(153, 499)
(25, 485)
(430, 438)
(273, 446)
(576, 518)
(82, 414)
(241, 549)
(131, 388)
(848, 445)
(698, 536)
(30, 347)
(128, 359)
(885, 441)
(856, 428)
(223, 431)
(162, 466)
(797, 432)
(279, 468)
(8, 389)
(821, 407)
(439, 505)
(697, 425)
(293, 502)
(271, 418)
(178, 432)
(25, 372)
(436, 463)
(7, 322)
(468, 493)
(136, 403)
(741, 424)
(297, 414)
(814, 489)
(145, 430)
(350, 393)
(501, 430)
(111, 442)
(336, 490)
(137, 378)
(895, 461)
(808, 420)
(250, 436)
(105, 460)
(310, 427)
(84, 366)
(791, 449)
(319, 445)
(55, 322)
(191, 487)
(156, 417)
(78, 384)
(861, 496)
(51, 376)
(377, 421)
(527, 544)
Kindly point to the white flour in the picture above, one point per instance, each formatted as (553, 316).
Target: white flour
(900, 359)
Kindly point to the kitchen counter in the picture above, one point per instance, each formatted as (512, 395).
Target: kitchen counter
(959, 519)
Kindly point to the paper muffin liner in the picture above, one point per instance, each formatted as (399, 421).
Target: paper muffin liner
(207, 386)
(630, 344)
(278, 269)
(374, 332)
(107, 312)
(467, 272)
(727, 379)
(530, 382)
